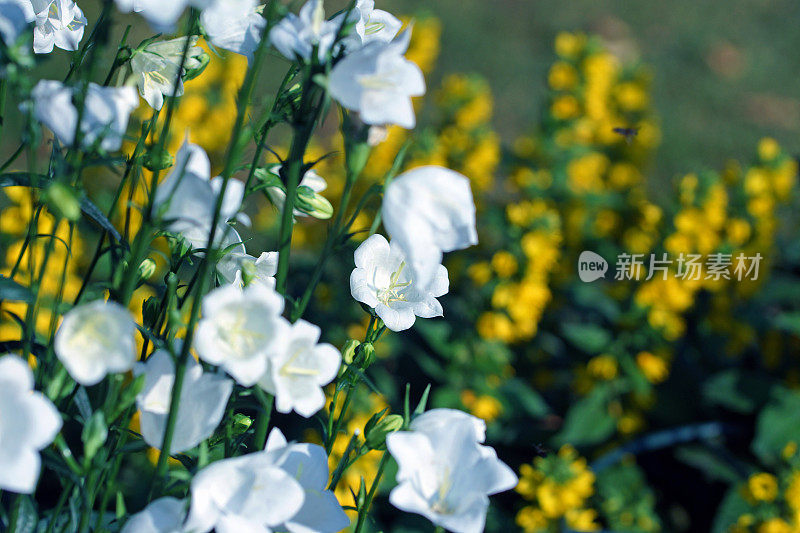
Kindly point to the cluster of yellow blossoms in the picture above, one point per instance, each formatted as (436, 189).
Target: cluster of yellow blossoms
(557, 487)
(773, 500)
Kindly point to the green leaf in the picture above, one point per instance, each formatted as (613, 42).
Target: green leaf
(27, 518)
(777, 425)
(588, 421)
(737, 390)
(94, 435)
(12, 291)
(521, 394)
(589, 338)
(709, 462)
(90, 211)
(729, 511)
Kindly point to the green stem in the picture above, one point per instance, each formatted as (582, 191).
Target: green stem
(364, 511)
(262, 422)
(234, 148)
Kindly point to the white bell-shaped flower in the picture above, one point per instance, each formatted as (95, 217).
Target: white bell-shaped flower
(383, 281)
(444, 472)
(96, 339)
(298, 369)
(58, 23)
(187, 198)
(378, 82)
(200, 410)
(243, 494)
(428, 211)
(296, 36)
(240, 329)
(155, 68)
(28, 423)
(373, 25)
(164, 515)
(308, 463)
(105, 116)
(234, 25)
(234, 267)
(162, 14)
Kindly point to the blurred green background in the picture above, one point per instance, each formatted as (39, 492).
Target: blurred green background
(724, 73)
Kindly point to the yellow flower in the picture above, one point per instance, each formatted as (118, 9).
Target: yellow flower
(562, 76)
(505, 264)
(582, 520)
(775, 525)
(631, 96)
(653, 367)
(531, 520)
(480, 273)
(569, 45)
(763, 487)
(603, 367)
(565, 107)
(768, 149)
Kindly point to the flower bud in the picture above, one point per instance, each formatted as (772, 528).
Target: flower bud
(156, 161)
(63, 201)
(192, 73)
(349, 351)
(375, 437)
(367, 355)
(146, 269)
(313, 204)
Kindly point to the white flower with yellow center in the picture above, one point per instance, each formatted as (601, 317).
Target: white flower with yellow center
(373, 25)
(383, 281)
(96, 339)
(28, 423)
(235, 267)
(155, 68)
(58, 23)
(239, 330)
(444, 472)
(299, 368)
(200, 410)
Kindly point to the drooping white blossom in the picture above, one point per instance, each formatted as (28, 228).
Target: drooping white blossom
(383, 281)
(106, 113)
(378, 82)
(96, 339)
(187, 198)
(164, 515)
(308, 464)
(315, 183)
(240, 329)
(161, 14)
(296, 36)
(202, 403)
(373, 25)
(28, 423)
(234, 25)
(298, 369)
(243, 494)
(428, 211)
(444, 472)
(13, 21)
(58, 23)
(155, 68)
(234, 267)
